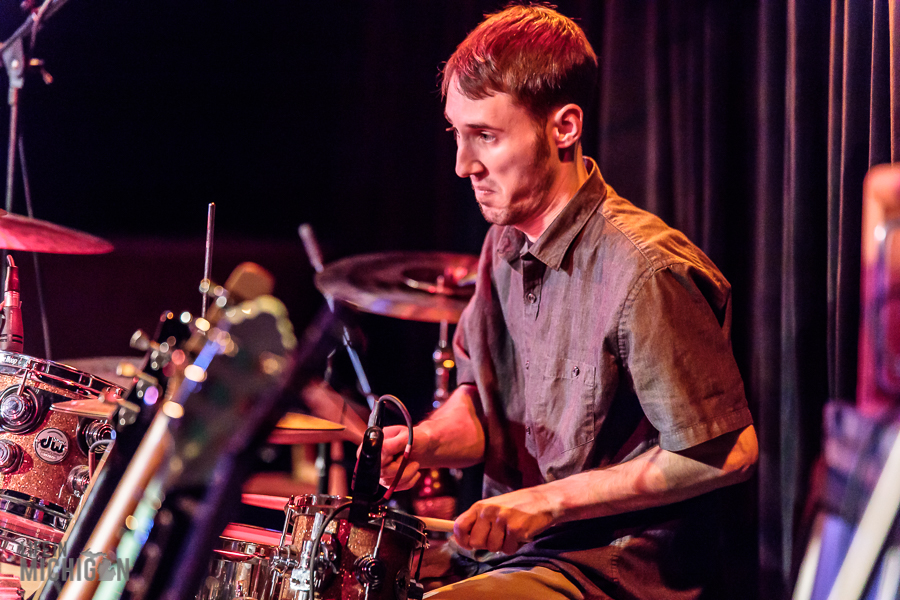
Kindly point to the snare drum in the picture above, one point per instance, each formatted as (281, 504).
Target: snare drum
(372, 562)
(44, 453)
(242, 565)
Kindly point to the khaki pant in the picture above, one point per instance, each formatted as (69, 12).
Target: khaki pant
(534, 583)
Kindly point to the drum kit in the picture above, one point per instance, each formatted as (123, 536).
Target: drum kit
(57, 421)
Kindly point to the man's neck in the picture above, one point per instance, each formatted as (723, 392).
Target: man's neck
(572, 175)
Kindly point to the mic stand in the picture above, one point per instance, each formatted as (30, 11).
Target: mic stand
(14, 61)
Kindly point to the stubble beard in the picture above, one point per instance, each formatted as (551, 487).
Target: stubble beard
(521, 210)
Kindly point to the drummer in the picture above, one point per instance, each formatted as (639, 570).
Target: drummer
(598, 384)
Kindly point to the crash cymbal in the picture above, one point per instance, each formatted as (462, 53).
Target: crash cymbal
(120, 370)
(95, 409)
(417, 286)
(33, 235)
(296, 428)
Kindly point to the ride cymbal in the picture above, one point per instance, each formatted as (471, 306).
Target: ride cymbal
(296, 428)
(33, 235)
(417, 286)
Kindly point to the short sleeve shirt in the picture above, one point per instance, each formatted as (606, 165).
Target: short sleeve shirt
(607, 336)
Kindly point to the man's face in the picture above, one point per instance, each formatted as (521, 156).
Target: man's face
(504, 153)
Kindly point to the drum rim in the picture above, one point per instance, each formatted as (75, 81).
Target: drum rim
(11, 540)
(85, 384)
(34, 509)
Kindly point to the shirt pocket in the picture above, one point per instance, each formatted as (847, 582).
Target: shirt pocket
(561, 413)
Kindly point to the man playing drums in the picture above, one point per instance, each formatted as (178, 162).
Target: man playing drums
(597, 381)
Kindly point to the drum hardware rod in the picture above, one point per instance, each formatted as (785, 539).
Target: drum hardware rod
(38, 280)
(207, 261)
(374, 555)
(314, 253)
(314, 548)
(323, 467)
(288, 519)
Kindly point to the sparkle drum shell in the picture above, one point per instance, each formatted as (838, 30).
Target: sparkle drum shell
(353, 556)
(42, 451)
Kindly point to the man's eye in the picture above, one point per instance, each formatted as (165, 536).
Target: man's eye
(486, 137)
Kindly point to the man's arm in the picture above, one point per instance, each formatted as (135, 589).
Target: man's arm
(451, 437)
(655, 478)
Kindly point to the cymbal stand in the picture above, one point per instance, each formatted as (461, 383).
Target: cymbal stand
(207, 262)
(14, 61)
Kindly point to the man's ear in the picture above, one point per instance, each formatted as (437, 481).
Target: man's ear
(566, 124)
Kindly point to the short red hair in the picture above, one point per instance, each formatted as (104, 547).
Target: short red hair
(531, 52)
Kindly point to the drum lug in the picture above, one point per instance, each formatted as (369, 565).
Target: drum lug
(370, 571)
(78, 480)
(10, 456)
(20, 410)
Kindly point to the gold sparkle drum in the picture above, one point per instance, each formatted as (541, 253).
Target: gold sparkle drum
(373, 561)
(44, 466)
(243, 565)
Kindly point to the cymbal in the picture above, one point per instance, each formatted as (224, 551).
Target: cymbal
(120, 370)
(296, 428)
(95, 409)
(33, 235)
(417, 286)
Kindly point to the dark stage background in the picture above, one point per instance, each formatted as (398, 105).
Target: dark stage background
(749, 125)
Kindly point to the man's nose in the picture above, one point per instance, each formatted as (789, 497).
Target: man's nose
(467, 164)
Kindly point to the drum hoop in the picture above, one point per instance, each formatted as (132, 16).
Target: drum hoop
(256, 549)
(11, 542)
(59, 375)
(34, 509)
(402, 523)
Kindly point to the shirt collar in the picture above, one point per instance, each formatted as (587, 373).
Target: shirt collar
(551, 247)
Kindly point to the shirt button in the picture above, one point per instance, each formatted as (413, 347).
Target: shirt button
(575, 371)
(527, 364)
(531, 298)
(528, 430)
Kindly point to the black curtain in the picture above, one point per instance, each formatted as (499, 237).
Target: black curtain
(750, 126)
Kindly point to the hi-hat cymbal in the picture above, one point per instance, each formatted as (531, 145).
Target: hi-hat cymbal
(296, 428)
(33, 235)
(418, 286)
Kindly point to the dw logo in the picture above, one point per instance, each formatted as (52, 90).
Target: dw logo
(51, 445)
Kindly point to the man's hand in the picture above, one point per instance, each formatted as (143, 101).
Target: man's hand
(395, 439)
(503, 523)
(451, 437)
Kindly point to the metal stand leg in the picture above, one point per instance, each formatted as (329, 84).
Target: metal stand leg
(323, 467)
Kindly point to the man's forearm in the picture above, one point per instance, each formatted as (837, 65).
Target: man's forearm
(654, 478)
(452, 436)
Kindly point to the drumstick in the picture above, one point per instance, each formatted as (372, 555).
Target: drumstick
(437, 525)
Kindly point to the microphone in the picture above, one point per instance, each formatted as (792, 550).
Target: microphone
(365, 489)
(11, 335)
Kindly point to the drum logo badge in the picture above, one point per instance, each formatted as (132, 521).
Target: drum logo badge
(51, 445)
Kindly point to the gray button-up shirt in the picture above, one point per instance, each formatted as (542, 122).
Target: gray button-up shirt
(609, 335)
